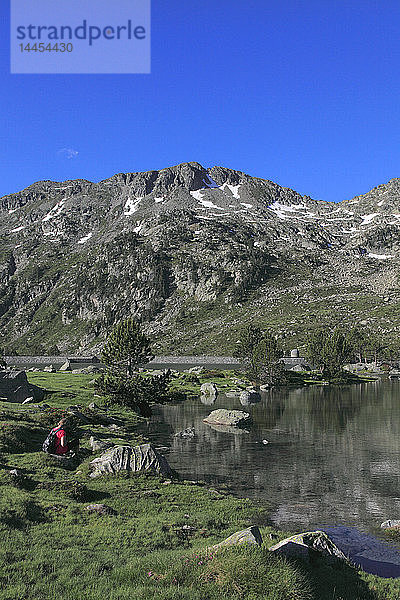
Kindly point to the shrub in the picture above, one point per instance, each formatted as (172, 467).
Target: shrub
(71, 489)
(14, 438)
(136, 392)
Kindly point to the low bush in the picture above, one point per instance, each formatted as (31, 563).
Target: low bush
(14, 438)
(71, 489)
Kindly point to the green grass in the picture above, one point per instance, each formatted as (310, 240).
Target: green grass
(52, 547)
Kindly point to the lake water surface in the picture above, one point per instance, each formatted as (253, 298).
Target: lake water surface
(332, 456)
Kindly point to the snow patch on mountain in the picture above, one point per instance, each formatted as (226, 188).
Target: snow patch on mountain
(368, 218)
(234, 189)
(131, 206)
(85, 238)
(379, 256)
(17, 229)
(197, 194)
(54, 212)
(209, 204)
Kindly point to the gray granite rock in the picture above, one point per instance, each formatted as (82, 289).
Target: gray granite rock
(130, 458)
(303, 545)
(251, 536)
(100, 509)
(232, 418)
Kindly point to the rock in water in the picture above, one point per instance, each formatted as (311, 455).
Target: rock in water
(209, 389)
(186, 433)
(223, 416)
(303, 545)
(249, 397)
(251, 535)
(127, 458)
(66, 366)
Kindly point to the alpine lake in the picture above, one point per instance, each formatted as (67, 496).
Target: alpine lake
(320, 457)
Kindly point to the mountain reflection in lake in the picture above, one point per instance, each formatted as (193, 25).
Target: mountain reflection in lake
(332, 455)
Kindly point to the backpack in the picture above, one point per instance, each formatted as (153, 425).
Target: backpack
(49, 444)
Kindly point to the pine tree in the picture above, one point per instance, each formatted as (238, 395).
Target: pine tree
(329, 350)
(126, 348)
(260, 354)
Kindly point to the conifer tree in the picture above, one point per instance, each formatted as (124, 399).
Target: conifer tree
(126, 348)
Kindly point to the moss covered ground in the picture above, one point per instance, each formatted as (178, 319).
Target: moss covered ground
(155, 544)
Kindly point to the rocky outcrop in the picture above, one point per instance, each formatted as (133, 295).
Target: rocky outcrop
(251, 536)
(229, 418)
(306, 545)
(15, 387)
(132, 459)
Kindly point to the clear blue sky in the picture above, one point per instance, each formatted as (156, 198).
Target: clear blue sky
(305, 93)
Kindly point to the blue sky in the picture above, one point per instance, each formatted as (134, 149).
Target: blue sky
(305, 93)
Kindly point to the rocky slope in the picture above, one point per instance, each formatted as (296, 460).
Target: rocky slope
(193, 252)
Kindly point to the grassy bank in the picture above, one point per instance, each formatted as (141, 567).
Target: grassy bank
(154, 543)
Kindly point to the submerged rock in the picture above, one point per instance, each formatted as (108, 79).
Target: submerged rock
(186, 433)
(303, 545)
(224, 416)
(251, 536)
(130, 458)
(228, 429)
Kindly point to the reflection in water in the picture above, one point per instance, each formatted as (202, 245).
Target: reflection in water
(332, 457)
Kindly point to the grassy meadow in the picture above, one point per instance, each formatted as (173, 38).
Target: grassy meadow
(156, 541)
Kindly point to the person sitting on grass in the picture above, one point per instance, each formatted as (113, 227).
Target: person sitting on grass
(64, 442)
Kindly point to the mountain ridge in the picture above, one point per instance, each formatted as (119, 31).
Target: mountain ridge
(76, 256)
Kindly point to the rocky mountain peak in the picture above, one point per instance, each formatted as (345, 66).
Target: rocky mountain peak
(75, 256)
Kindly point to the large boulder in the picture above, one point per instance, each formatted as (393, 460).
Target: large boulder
(226, 417)
(251, 535)
(130, 458)
(15, 387)
(307, 545)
